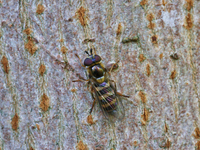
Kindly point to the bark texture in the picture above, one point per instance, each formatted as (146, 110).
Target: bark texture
(157, 45)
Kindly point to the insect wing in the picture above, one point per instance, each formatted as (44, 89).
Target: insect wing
(118, 113)
(111, 105)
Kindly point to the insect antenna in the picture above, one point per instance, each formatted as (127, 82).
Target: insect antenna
(87, 53)
(91, 51)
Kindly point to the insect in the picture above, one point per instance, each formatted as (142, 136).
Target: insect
(103, 88)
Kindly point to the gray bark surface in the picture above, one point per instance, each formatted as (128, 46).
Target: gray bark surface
(157, 45)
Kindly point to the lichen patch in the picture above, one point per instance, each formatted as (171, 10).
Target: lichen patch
(189, 21)
(143, 2)
(42, 69)
(30, 46)
(143, 97)
(161, 56)
(154, 39)
(90, 120)
(4, 62)
(148, 70)
(119, 29)
(196, 133)
(81, 146)
(189, 4)
(63, 49)
(151, 25)
(144, 116)
(81, 14)
(15, 122)
(45, 102)
(28, 31)
(150, 17)
(141, 58)
(40, 9)
(173, 74)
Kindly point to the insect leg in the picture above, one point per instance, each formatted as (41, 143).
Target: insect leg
(118, 93)
(79, 60)
(94, 100)
(113, 67)
(81, 80)
(114, 83)
(93, 104)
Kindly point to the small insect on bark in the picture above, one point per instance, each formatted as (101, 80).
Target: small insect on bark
(103, 89)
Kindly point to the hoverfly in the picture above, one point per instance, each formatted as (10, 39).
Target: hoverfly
(103, 88)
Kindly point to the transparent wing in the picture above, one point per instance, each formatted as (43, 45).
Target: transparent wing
(111, 106)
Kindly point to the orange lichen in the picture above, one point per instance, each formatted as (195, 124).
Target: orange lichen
(73, 90)
(90, 120)
(141, 58)
(15, 122)
(197, 145)
(119, 29)
(173, 74)
(42, 69)
(38, 126)
(5, 64)
(154, 39)
(150, 17)
(161, 56)
(166, 128)
(196, 133)
(159, 14)
(189, 21)
(81, 14)
(143, 97)
(63, 49)
(143, 2)
(61, 40)
(151, 25)
(189, 4)
(143, 122)
(148, 70)
(40, 9)
(81, 146)
(135, 143)
(167, 144)
(30, 46)
(28, 31)
(164, 3)
(145, 116)
(32, 148)
(45, 102)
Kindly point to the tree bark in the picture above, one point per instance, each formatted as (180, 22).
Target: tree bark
(157, 46)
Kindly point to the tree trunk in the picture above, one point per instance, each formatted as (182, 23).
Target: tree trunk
(157, 46)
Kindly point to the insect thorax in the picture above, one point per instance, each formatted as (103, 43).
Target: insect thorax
(97, 72)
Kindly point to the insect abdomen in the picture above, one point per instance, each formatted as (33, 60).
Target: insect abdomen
(107, 98)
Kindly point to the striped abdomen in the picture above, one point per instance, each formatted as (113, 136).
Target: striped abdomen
(106, 97)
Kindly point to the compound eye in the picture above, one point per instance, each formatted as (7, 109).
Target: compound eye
(97, 58)
(88, 62)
